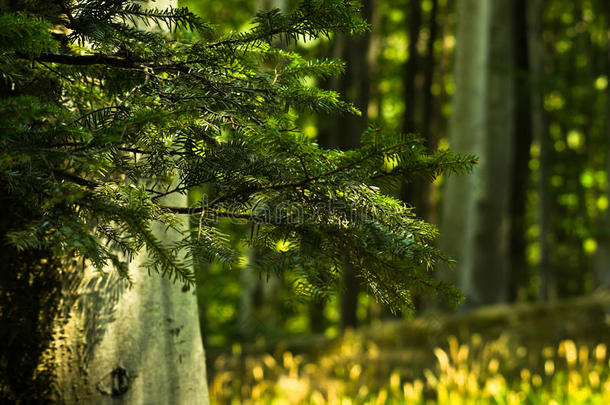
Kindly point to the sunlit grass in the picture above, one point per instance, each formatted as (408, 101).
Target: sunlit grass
(473, 372)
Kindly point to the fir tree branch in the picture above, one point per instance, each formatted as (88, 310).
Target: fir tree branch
(56, 72)
(447, 165)
(310, 180)
(91, 59)
(75, 179)
(114, 61)
(222, 214)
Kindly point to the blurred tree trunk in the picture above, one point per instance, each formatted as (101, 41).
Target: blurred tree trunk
(491, 244)
(317, 319)
(466, 134)
(419, 69)
(411, 67)
(259, 302)
(426, 200)
(428, 68)
(476, 217)
(548, 286)
(519, 277)
(602, 258)
(434, 123)
(345, 131)
(418, 192)
(130, 345)
(411, 192)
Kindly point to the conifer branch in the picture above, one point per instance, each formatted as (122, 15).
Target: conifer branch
(75, 179)
(91, 59)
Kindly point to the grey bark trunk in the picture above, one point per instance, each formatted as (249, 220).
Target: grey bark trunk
(118, 345)
(491, 244)
(259, 302)
(138, 345)
(602, 257)
(467, 128)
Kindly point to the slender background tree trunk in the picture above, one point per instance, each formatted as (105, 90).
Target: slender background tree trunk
(411, 67)
(491, 244)
(355, 86)
(548, 286)
(602, 259)
(519, 274)
(467, 129)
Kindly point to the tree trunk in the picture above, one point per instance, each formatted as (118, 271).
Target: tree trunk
(259, 303)
(491, 243)
(519, 278)
(548, 287)
(602, 257)
(344, 131)
(411, 192)
(138, 345)
(355, 87)
(434, 123)
(411, 67)
(132, 345)
(428, 68)
(466, 134)
(420, 192)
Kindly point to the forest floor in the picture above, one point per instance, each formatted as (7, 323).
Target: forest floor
(505, 343)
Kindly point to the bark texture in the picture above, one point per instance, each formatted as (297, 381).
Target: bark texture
(120, 345)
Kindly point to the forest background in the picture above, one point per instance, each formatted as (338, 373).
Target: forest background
(542, 212)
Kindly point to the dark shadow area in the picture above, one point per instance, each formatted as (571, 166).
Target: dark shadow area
(38, 291)
(30, 292)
